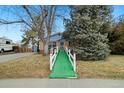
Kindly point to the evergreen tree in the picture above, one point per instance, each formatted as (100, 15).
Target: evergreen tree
(86, 31)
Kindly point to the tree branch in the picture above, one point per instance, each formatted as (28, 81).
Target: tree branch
(28, 12)
(10, 22)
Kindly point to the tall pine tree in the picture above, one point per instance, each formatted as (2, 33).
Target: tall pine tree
(86, 31)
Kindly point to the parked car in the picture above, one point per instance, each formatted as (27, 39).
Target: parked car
(5, 45)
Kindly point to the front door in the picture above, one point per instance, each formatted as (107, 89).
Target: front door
(62, 44)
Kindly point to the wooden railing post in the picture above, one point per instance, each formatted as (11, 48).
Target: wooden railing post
(69, 51)
(74, 62)
(50, 61)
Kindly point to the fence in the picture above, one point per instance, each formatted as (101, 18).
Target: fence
(21, 49)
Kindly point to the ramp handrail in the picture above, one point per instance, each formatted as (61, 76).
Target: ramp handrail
(53, 56)
(72, 58)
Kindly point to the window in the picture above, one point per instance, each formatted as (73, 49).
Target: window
(7, 42)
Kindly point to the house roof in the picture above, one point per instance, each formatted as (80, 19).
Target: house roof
(55, 37)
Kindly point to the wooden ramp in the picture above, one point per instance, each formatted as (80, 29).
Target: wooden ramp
(62, 67)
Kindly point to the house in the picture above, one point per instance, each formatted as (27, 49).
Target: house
(55, 40)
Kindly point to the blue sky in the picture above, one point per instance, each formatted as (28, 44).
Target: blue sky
(14, 31)
(118, 10)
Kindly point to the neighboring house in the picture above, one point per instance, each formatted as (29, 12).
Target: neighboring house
(55, 40)
(5, 44)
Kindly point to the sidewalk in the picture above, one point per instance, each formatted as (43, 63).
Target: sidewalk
(61, 83)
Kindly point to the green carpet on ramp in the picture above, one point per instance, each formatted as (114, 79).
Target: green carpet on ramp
(62, 67)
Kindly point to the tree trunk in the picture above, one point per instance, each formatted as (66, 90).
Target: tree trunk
(46, 50)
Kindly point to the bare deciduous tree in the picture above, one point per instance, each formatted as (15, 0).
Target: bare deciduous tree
(37, 18)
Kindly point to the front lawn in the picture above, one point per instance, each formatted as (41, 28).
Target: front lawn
(37, 66)
(112, 68)
(34, 66)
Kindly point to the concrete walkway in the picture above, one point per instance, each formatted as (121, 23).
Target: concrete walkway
(4, 58)
(61, 83)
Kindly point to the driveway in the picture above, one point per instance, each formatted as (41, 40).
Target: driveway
(61, 83)
(4, 58)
